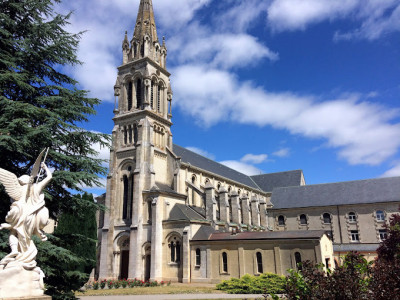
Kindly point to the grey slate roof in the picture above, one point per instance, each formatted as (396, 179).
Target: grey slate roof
(262, 235)
(355, 247)
(207, 164)
(181, 212)
(267, 182)
(339, 193)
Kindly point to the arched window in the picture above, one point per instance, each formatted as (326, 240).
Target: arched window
(125, 135)
(297, 258)
(352, 217)
(135, 49)
(135, 134)
(125, 200)
(259, 263)
(281, 220)
(218, 186)
(130, 134)
(198, 257)
(149, 211)
(175, 249)
(130, 95)
(159, 99)
(142, 49)
(303, 219)
(327, 218)
(152, 95)
(380, 215)
(224, 262)
(138, 93)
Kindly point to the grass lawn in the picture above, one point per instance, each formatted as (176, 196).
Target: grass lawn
(172, 289)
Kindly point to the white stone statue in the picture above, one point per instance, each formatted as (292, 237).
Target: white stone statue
(27, 217)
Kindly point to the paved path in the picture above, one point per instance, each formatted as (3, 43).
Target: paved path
(172, 297)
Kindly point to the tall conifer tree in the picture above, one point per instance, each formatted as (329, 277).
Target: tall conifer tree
(40, 106)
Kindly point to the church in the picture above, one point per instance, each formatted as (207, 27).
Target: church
(175, 215)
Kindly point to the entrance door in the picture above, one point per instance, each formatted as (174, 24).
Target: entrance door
(124, 264)
(147, 264)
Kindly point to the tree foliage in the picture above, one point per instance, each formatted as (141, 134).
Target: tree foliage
(267, 283)
(356, 278)
(40, 106)
(385, 283)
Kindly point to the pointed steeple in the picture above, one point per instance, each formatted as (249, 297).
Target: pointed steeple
(145, 23)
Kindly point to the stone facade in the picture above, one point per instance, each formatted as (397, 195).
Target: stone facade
(175, 215)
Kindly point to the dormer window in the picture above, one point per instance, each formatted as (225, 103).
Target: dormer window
(380, 216)
(352, 217)
(327, 218)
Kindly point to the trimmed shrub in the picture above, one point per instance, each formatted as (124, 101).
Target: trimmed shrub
(267, 283)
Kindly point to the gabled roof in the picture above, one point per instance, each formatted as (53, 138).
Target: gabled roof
(182, 212)
(261, 235)
(209, 165)
(267, 182)
(338, 193)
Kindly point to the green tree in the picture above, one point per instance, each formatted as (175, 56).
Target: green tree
(41, 107)
(78, 230)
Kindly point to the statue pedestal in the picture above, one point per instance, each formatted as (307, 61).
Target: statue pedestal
(18, 283)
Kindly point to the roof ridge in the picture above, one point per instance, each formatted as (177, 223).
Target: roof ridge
(248, 176)
(277, 173)
(338, 182)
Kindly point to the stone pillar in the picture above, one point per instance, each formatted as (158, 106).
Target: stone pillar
(255, 213)
(263, 214)
(278, 264)
(146, 102)
(235, 207)
(106, 245)
(209, 264)
(156, 240)
(211, 210)
(245, 209)
(186, 276)
(223, 205)
(241, 266)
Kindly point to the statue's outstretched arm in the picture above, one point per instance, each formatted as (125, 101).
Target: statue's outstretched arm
(46, 180)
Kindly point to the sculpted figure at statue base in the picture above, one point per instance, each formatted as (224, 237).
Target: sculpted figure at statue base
(19, 274)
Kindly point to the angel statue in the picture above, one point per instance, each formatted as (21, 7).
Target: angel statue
(27, 216)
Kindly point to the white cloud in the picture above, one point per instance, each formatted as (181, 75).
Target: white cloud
(225, 50)
(375, 18)
(242, 167)
(201, 152)
(362, 132)
(284, 152)
(255, 159)
(395, 171)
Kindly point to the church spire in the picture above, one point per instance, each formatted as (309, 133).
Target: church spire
(145, 23)
(145, 41)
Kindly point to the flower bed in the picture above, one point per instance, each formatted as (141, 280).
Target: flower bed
(123, 283)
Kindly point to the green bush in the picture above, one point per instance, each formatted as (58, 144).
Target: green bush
(267, 283)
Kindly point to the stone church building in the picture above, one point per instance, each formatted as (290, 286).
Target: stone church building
(176, 215)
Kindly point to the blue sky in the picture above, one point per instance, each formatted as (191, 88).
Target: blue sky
(265, 86)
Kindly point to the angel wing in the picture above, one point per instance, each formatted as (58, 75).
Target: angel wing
(11, 184)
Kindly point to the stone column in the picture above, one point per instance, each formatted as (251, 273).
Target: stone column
(255, 213)
(245, 209)
(106, 245)
(156, 240)
(223, 205)
(211, 210)
(263, 214)
(278, 264)
(186, 278)
(235, 207)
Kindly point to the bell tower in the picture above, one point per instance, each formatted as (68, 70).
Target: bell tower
(141, 143)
